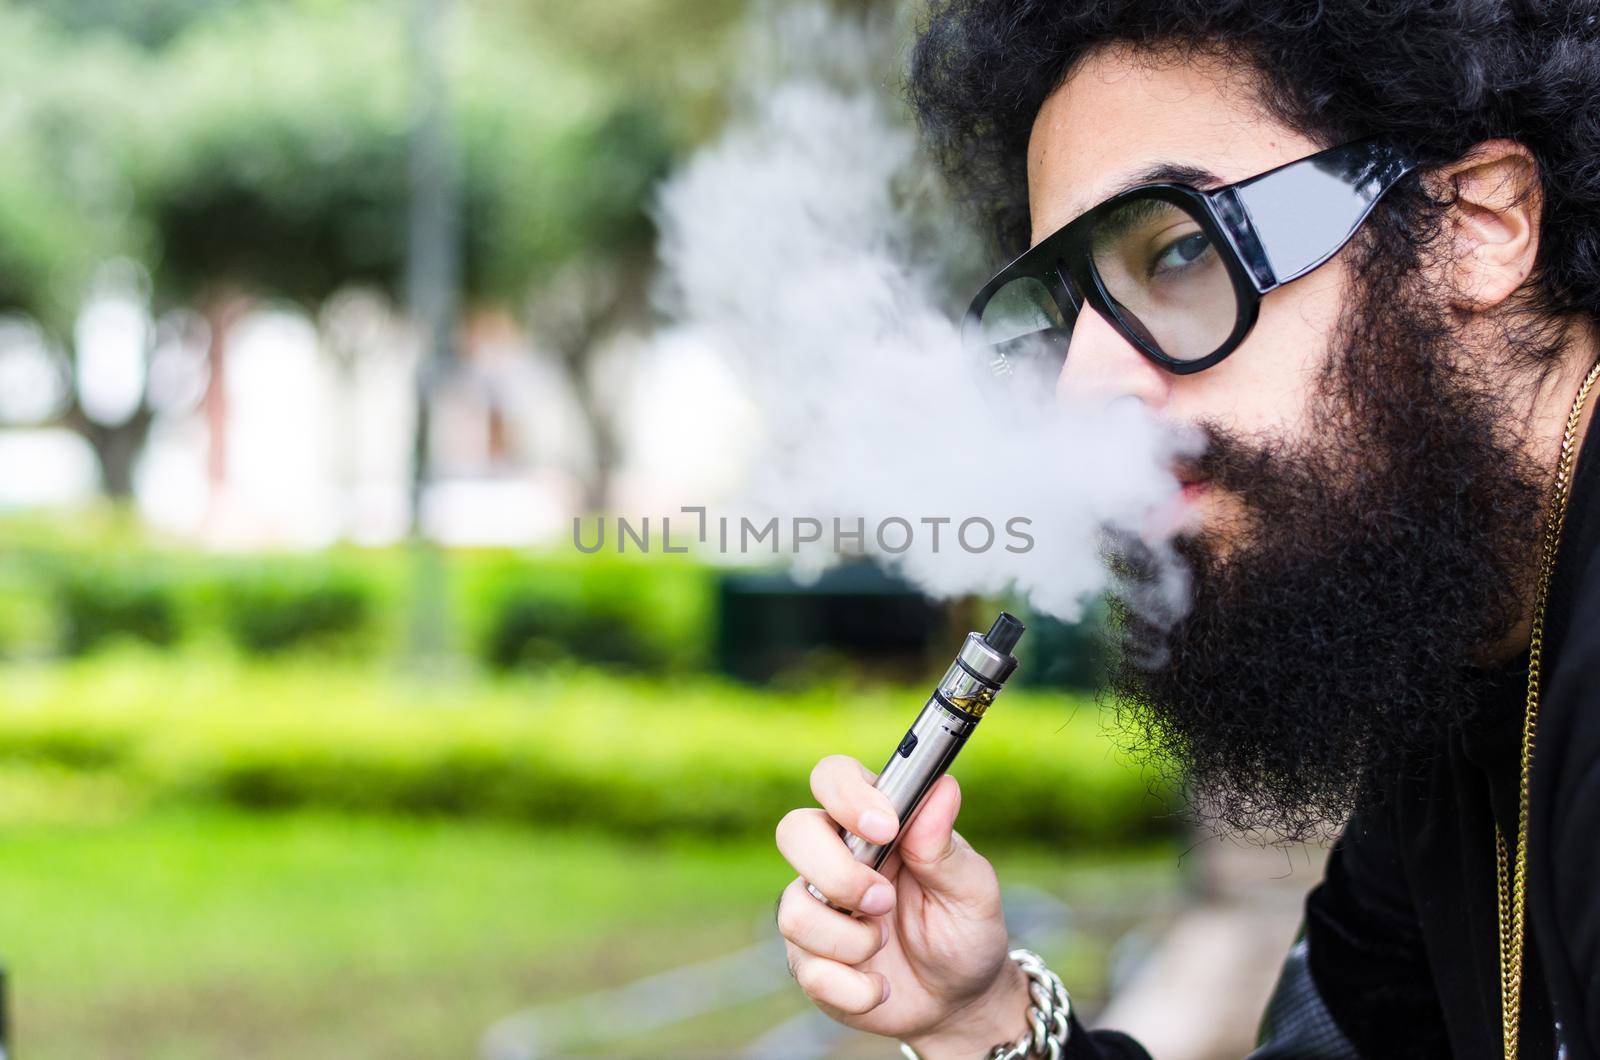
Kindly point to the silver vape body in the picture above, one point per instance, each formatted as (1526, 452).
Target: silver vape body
(941, 730)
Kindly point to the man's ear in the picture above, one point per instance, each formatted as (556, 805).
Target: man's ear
(1493, 222)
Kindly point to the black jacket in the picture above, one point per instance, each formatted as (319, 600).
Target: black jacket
(1399, 956)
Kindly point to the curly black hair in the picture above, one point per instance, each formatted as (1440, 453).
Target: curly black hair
(1441, 75)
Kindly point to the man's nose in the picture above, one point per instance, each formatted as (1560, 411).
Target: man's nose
(1102, 366)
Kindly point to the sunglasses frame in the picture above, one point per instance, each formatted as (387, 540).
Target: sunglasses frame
(1242, 220)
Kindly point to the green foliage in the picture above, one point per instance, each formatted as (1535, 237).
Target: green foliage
(632, 613)
(272, 157)
(587, 196)
(265, 147)
(270, 609)
(100, 576)
(27, 616)
(561, 153)
(1058, 654)
(508, 608)
(573, 749)
(275, 157)
(148, 23)
(529, 631)
(104, 603)
(63, 205)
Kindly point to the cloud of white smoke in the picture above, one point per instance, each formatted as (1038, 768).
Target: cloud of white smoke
(810, 243)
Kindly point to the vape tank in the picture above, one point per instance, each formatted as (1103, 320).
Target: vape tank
(941, 730)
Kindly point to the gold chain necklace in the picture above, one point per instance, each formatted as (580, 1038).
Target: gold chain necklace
(1512, 872)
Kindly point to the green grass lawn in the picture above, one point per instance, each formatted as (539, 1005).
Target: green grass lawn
(188, 934)
(215, 934)
(207, 857)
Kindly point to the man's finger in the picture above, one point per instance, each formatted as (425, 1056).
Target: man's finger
(809, 841)
(819, 930)
(933, 852)
(835, 986)
(843, 787)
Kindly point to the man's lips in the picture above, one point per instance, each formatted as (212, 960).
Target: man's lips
(1192, 482)
(1181, 513)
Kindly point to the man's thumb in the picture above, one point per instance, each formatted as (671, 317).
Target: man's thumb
(940, 859)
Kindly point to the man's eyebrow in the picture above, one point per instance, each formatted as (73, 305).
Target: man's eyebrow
(1161, 173)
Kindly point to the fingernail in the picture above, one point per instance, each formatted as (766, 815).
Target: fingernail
(876, 826)
(884, 979)
(879, 899)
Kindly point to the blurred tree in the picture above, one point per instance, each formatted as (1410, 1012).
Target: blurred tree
(275, 160)
(272, 164)
(64, 212)
(44, 251)
(585, 225)
(282, 171)
(595, 262)
(433, 300)
(147, 23)
(244, 150)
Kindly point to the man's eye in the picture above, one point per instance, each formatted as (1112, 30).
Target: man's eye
(1041, 351)
(1181, 252)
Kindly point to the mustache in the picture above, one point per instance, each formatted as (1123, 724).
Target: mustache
(1230, 459)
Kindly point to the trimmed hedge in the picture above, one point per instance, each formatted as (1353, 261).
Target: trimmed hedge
(282, 605)
(93, 597)
(628, 756)
(104, 603)
(646, 614)
(103, 579)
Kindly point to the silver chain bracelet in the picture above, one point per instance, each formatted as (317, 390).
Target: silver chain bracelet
(1048, 1016)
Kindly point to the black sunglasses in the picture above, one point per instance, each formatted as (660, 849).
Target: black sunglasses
(1178, 271)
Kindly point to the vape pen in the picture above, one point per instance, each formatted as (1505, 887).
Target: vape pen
(937, 736)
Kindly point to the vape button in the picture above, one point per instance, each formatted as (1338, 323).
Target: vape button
(907, 745)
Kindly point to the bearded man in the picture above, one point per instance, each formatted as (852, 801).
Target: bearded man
(1357, 248)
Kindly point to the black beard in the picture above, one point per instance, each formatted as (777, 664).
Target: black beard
(1342, 636)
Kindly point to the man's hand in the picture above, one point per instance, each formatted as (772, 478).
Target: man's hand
(925, 958)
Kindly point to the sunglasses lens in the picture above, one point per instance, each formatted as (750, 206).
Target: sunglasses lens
(1022, 332)
(1166, 279)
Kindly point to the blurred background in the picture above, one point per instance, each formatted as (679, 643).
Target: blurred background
(320, 321)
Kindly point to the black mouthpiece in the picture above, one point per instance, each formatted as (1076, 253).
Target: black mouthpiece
(1005, 633)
